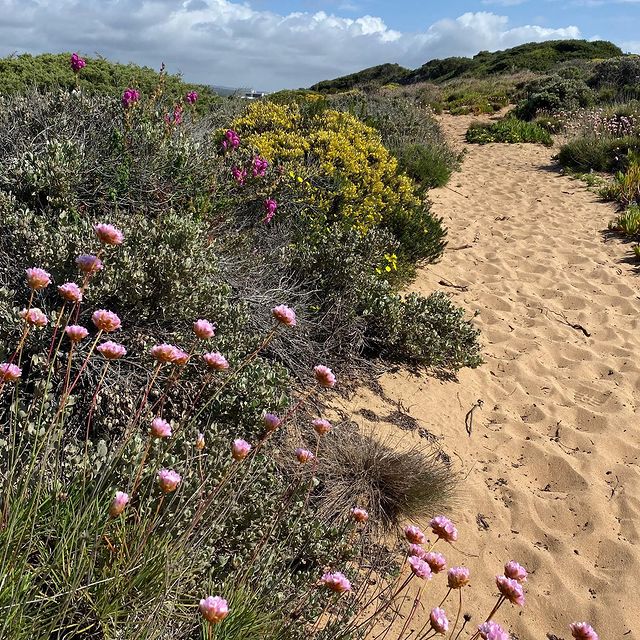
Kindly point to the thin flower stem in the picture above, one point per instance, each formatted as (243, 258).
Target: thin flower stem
(386, 605)
(493, 612)
(143, 460)
(458, 614)
(55, 331)
(416, 602)
(86, 361)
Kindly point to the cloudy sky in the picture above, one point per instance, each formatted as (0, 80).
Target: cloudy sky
(272, 44)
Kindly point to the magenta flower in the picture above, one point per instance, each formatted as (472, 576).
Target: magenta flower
(583, 631)
(106, 321)
(271, 421)
(180, 357)
(304, 455)
(436, 561)
(231, 140)
(76, 333)
(203, 329)
(457, 577)
(336, 582)
(511, 590)
(359, 515)
(259, 167)
(108, 234)
(34, 317)
(492, 631)
(444, 528)
(191, 97)
(89, 263)
(200, 441)
(284, 315)
(118, 504)
(419, 567)
(160, 428)
(130, 97)
(417, 550)
(239, 175)
(111, 350)
(214, 609)
(439, 621)
(240, 449)
(270, 207)
(515, 571)
(324, 376)
(70, 292)
(76, 63)
(9, 372)
(321, 426)
(38, 278)
(168, 479)
(216, 361)
(414, 535)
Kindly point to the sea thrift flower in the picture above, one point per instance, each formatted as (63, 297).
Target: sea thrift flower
(271, 421)
(168, 479)
(239, 175)
(118, 503)
(108, 234)
(77, 63)
(203, 329)
(191, 97)
(164, 353)
(359, 515)
(324, 376)
(76, 333)
(70, 292)
(34, 317)
(9, 372)
(231, 140)
(270, 207)
(38, 278)
(417, 550)
(583, 631)
(492, 631)
(106, 320)
(160, 428)
(214, 609)
(457, 577)
(303, 455)
(511, 590)
(444, 528)
(180, 357)
(111, 350)
(240, 449)
(259, 167)
(321, 426)
(414, 535)
(419, 567)
(200, 442)
(284, 315)
(439, 621)
(89, 263)
(336, 582)
(515, 571)
(216, 361)
(436, 561)
(130, 97)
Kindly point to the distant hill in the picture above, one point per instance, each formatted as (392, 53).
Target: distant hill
(534, 56)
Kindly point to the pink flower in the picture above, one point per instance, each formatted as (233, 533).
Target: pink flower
(203, 329)
(271, 421)
(511, 590)
(191, 97)
(76, 333)
(417, 550)
(457, 577)
(259, 167)
(118, 504)
(216, 361)
(9, 372)
(239, 175)
(303, 455)
(444, 528)
(515, 571)
(106, 321)
(200, 441)
(70, 292)
(583, 631)
(180, 357)
(436, 561)
(160, 428)
(321, 426)
(284, 315)
(164, 353)
(130, 97)
(38, 278)
(492, 631)
(76, 63)
(336, 582)
(359, 515)
(111, 350)
(231, 140)
(34, 317)
(89, 264)
(324, 376)
(168, 479)
(414, 535)
(419, 567)
(439, 621)
(214, 609)
(270, 207)
(240, 449)
(108, 234)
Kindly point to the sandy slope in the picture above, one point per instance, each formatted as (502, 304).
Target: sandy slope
(552, 464)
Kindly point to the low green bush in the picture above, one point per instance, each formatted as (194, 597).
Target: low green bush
(628, 222)
(551, 94)
(598, 153)
(508, 129)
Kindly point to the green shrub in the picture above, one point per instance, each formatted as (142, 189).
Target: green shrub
(598, 153)
(425, 165)
(625, 186)
(551, 94)
(617, 78)
(628, 222)
(510, 130)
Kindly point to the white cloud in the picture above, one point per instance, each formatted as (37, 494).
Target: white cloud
(228, 43)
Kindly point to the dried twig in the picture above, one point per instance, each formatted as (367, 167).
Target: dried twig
(468, 419)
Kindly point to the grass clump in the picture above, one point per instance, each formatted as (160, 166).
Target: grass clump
(598, 153)
(509, 129)
(628, 222)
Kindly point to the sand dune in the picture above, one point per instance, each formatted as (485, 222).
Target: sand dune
(552, 464)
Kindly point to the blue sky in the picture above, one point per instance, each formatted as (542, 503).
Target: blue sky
(273, 44)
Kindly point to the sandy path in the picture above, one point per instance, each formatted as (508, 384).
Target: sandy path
(552, 464)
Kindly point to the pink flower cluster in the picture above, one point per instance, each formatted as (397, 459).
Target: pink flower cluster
(284, 315)
(321, 426)
(583, 631)
(231, 140)
(169, 354)
(259, 167)
(336, 582)
(34, 317)
(111, 350)
(89, 264)
(216, 361)
(439, 621)
(37, 278)
(118, 504)
(270, 207)
(492, 631)
(324, 376)
(76, 333)
(168, 479)
(108, 234)
(191, 97)
(419, 567)
(511, 590)
(214, 609)
(304, 455)
(203, 329)
(76, 63)
(106, 321)
(444, 528)
(70, 292)
(359, 515)
(414, 534)
(160, 428)
(271, 421)
(9, 372)
(240, 449)
(130, 97)
(239, 175)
